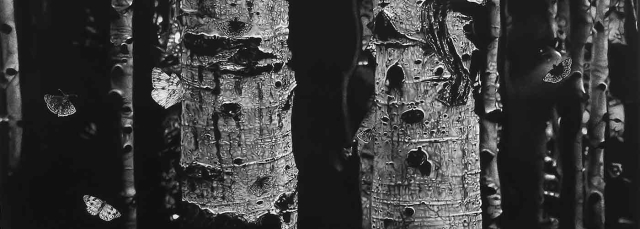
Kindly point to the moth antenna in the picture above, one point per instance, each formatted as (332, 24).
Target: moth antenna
(61, 92)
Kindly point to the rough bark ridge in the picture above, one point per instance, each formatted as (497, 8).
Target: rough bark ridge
(10, 101)
(122, 96)
(594, 208)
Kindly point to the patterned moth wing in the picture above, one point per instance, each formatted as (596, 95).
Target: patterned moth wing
(365, 135)
(558, 72)
(261, 186)
(109, 213)
(98, 207)
(93, 204)
(167, 90)
(59, 105)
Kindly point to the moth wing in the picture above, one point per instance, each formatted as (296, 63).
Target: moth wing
(93, 204)
(167, 90)
(556, 74)
(52, 102)
(66, 108)
(551, 78)
(167, 98)
(109, 213)
(365, 135)
(59, 105)
(566, 64)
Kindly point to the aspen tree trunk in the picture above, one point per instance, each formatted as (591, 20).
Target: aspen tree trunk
(10, 104)
(489, 178)
(530, 34)
(422, 132)
(594, 208)
(122, 93)
(571, 125)
(11, 111)
(236, 114)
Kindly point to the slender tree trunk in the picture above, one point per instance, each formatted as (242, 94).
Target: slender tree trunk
(528, 102)
(572, 107)
(597, 125)
(489, 179)
(10, 83)
(122, 93)
(10, 103)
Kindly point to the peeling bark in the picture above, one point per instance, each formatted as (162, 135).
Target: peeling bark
(10, 102)
(122, 95)
(489, 179)
(595, 185)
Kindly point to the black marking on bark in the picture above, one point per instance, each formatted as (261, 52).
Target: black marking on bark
(384, 29)
(6, 29)
(277, 67)
(216, 79)
(11, 71)
(416, 157)
(425, 168)
(286, 217)
(395, 77)
(409, 211)
(124, 49)
(285, 201)
(237, 86)
(269, 221)
(599, 27)
(388, 223)
(456, 91)
(438, 71)
(249, 56)
(217, 135)
(198, 172)
(200, 73)
(260, 92)
(238, 161)
(261, 185)
(232, 110)
(412, 116)
(287, 104)
(212, 45)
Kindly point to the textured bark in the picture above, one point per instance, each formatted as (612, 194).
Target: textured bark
(10, 103)
(236, 128)
(594, 207)
(422, 153)
(489, 178)
(122, 95)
